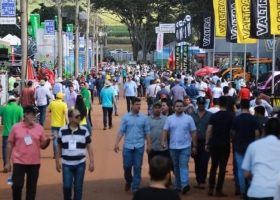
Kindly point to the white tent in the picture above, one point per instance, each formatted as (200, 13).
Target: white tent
(12, 39)
(2, 42)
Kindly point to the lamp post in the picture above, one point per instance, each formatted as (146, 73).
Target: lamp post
(24, 13)
(87, 37)
(77, 46)
(59, 15)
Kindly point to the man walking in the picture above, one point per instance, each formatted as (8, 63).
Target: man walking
(73, 141)
(218, 143)
(183, 143)
(24, 143)
(201, 119)
(135, 127)
(177, 92)
(129, 92)
(11, 114)
(42, 94)
(99, 83)
(91, 84)
(116, 90)
(27, 95)
(58, 116)
(107, 99)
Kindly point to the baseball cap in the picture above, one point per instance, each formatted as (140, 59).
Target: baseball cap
(162, 85)
(163, 96)
(60, 95)
(200, 100)
(157, 103)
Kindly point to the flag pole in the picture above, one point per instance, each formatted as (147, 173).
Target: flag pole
(273, 65)
(258, 56)
(230, 60)
(245, 61)
(214, 51)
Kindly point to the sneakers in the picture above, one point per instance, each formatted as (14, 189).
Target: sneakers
(116, 114)
(127, 187)
(185, 189)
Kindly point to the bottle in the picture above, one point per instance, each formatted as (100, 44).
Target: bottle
(9, 178)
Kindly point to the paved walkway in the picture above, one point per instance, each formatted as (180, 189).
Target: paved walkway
(106, 182)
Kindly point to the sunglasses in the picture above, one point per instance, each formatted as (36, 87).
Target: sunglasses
(200, 103)
(77, 116)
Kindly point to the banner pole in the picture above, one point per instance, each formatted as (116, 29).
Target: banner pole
(214, 51)
(162, 59)
(245, 61)
(230, 60)
(273, 65)
(258, 56)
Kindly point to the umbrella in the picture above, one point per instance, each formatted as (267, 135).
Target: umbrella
(206, 70)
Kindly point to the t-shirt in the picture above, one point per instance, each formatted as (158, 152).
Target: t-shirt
(12, 80)
(12, 114)
(217, 92)
(222, 123)
(85, 95)
(150, 193)
(213, 110)
(245, 126)
(245, 93)
(22, 153)
(58, 108)
(261, 123)
(107, 95)
(230, 104)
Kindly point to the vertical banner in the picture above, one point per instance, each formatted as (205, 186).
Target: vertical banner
(220, 11)
(35, 22)
(207, 38)
(185, 58)
(8, 8)
(70, 29)
(260, 19)
(274, 17)
(49, 29)
(56, 22)
(187, 31)
(29, 30)
(243, 18)
(231, 34)
(177, 32)
(160, 42)
(178, 57)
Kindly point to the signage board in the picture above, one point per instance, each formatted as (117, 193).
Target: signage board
(8, 8)
(167, 28)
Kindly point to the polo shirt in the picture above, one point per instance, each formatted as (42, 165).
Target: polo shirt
(156, 126)
(85, 95)
(107, 95)
(263, 161)
(82, 138)
(12, 80)
(11, 114)
(58, 108)
(201, 124)
(244, 93)
(180, 128)
(130, 87)
(23, 154)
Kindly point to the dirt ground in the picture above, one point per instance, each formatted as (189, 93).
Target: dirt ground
(106, 182)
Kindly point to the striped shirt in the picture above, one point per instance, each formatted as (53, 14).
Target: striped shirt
(82, 138)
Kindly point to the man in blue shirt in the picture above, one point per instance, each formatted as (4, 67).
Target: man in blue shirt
(129, 91)
(183, 141)
(91, 84)
(192, 92)
(135, 127)
(99, 83)
(107, 99)
(147, 81)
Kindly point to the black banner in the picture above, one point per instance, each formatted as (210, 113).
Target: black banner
(185, 58)
(206, 40)
(180, 31)
(260, 19)
(178, 57)
(231, 22)
(187, 32)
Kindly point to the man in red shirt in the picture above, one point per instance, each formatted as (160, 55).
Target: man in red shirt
(244, 92)
(27, 95)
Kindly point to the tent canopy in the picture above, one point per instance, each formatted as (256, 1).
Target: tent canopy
(12, 39)
(5, 43)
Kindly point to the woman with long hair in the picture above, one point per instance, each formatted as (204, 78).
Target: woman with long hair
(80, 106)
(166, 107)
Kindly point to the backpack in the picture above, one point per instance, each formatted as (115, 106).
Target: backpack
(209, 93)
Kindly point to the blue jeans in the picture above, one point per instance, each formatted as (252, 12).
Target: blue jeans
(42, 110)
(180, 159)
(133, 158)
(207, 103)
(55, 131)
(4, 148)
(193, 101)
(88, 125)
(241, 179)
(72, 173)
(115, 108)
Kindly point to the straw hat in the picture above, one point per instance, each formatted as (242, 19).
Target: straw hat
(107, 84)
(59, 80)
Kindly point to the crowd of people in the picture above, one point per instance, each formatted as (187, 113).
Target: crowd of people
(187, 117)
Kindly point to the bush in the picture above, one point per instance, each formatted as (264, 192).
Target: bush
(118, 34)
(116, 40)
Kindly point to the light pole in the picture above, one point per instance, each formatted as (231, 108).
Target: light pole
(59, 15)
(77, 46)
(24, 13)
(87, 37)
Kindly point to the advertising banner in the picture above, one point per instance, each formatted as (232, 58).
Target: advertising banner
(231, 35)
(49, 29)
(178, 57)
(160, 42)
(274, 17)
(35, 23)
(185, 58)
(8, 8)
(220, 11)
(206, 40)
(187, 31)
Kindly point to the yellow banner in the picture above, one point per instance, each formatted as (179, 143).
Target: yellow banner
(274, 17)
(220, 12)
(243, 22)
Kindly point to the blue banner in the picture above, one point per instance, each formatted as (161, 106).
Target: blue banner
(49, 27)
(8, 8)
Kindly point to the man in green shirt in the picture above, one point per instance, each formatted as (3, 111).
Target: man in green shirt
(11, 114)
(85, 94)
(12, 80)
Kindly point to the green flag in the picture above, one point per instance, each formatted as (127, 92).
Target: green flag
(29, 30)
(69, 28)
(42, 25)
(56, 22)
(35, 23)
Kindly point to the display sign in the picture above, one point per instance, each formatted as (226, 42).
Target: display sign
(8, 8)
(185, 58)
(49, 29)
(178, 57)
(167, 28)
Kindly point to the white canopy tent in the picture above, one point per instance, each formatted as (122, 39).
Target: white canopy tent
(5, 43)
(12, 39)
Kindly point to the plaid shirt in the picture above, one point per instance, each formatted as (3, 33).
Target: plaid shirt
(57, 88)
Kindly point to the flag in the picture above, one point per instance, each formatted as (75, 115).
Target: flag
(231, 35)
(171, 61)
(243, 22)
(206, 40)
(274, 17)
(35, 22)
(187, 28)
(220, 11)
(260, 19)
(160, 42)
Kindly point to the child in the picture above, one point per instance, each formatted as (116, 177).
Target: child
(160, 168)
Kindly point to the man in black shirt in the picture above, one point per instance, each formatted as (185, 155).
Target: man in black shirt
(260, 115)
(244, 131)
(219, 145)
(231, 107)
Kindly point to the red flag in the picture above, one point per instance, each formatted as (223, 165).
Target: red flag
(171, 61)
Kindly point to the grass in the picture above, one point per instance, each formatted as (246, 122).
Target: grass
(127, 47)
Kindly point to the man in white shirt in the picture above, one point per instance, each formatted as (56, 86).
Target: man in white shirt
(215, 78)
(202, 87)
(261, 163)
(75, 84)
